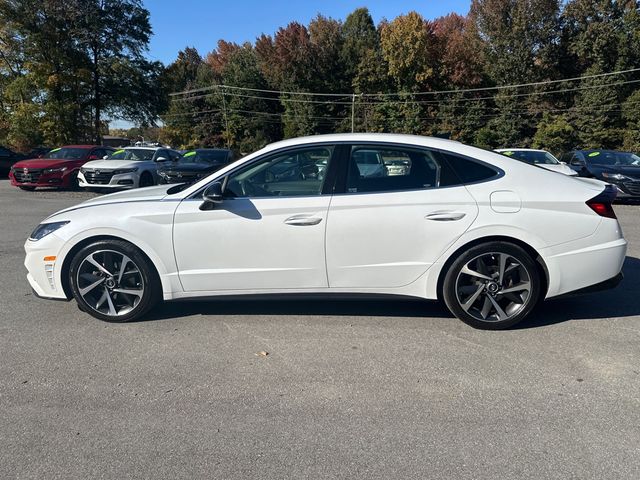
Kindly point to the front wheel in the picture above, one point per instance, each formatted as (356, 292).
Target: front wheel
(492, 286)
(113, 281)
(146, 180)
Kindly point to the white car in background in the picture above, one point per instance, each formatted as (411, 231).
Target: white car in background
(130, 167)
(489, 236)
(541, 158)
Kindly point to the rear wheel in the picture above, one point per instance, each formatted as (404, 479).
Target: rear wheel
(492, 286)
(113, 281)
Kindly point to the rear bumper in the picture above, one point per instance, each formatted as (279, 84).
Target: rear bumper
(609, 284)
(584, 268)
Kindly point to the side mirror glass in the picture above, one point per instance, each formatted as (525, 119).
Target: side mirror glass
(213, 193)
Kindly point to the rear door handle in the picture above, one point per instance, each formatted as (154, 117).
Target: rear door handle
(445, 216)
(303, 220)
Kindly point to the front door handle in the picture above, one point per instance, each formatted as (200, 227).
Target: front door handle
(303, 220)
(445, 216)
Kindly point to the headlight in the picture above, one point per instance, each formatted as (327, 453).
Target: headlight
(125, 170)
(615, 176)
(54, 170)
(45, 229)
(163, 174)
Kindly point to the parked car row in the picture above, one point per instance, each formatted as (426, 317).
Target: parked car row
(621, 169)
(106, 168)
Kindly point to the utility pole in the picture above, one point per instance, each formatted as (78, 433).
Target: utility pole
(353, 111)
(226, 121)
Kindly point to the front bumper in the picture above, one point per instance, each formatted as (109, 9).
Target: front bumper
(43, 275)
(41, 179)
(108, 180)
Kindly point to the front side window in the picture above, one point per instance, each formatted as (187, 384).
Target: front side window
(384, 169)
(298, 172)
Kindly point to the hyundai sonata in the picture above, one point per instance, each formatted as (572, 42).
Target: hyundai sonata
(488, 236)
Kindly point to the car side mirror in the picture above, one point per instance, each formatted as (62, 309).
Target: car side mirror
(213, 194)
(93, 157)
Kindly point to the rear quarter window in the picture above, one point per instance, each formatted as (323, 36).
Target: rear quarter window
(468, 170)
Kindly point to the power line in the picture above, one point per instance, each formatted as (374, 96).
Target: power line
(438, 92)
(407, 101)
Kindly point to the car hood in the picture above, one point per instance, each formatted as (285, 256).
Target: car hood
(633, 172)
(192, 167)
(112, 164)
(42, 163)
(560, 168)
(148, 194)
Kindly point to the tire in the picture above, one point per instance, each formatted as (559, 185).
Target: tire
(74, 183)
(474, 292)
(146, 180)
(108, 292)
(26, 189)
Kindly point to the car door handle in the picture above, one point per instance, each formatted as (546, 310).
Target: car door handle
(445, 216)
(303, 220)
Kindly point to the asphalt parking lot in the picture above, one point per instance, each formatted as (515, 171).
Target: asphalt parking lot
(366, 389)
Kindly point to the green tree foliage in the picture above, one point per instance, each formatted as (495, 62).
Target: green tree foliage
(65, 66)
(554, 133)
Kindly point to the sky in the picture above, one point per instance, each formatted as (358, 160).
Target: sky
(201, 23)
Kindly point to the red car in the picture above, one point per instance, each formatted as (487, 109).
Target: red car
(59, 168)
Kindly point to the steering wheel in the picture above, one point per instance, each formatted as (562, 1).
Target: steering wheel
(250, 189)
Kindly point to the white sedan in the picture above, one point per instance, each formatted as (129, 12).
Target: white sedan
(489, 236)
(130, 167)
(541, 158)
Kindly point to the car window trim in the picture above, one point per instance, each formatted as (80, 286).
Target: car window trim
(197, 195)
(341, 185)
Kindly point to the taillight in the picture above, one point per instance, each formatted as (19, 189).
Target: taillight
(602, 203)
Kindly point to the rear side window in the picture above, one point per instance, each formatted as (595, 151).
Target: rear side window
(468, 170)
(387, 168)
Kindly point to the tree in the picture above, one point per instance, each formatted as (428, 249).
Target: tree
(114, 35)
(409, 48)
(555, 134)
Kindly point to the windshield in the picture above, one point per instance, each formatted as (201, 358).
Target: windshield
(133, 154)
(206, 156)
(621, 159)
(534, 157)
(67, 153)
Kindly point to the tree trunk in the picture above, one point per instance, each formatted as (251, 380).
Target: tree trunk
(96, 99)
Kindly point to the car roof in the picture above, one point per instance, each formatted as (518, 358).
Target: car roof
(80, 146)
(144, 148)
(519, 150)
(364, 137)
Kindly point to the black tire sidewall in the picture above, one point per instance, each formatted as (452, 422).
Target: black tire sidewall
(152, 291)
(146, 176)
(449, 285)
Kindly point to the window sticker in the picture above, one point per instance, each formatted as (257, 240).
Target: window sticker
(594, 154)
(189, 154)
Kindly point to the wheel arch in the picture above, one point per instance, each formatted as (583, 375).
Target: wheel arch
(66, 264)
(537, 258)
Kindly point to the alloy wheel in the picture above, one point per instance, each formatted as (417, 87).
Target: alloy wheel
(110, 282)
(493, 287)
